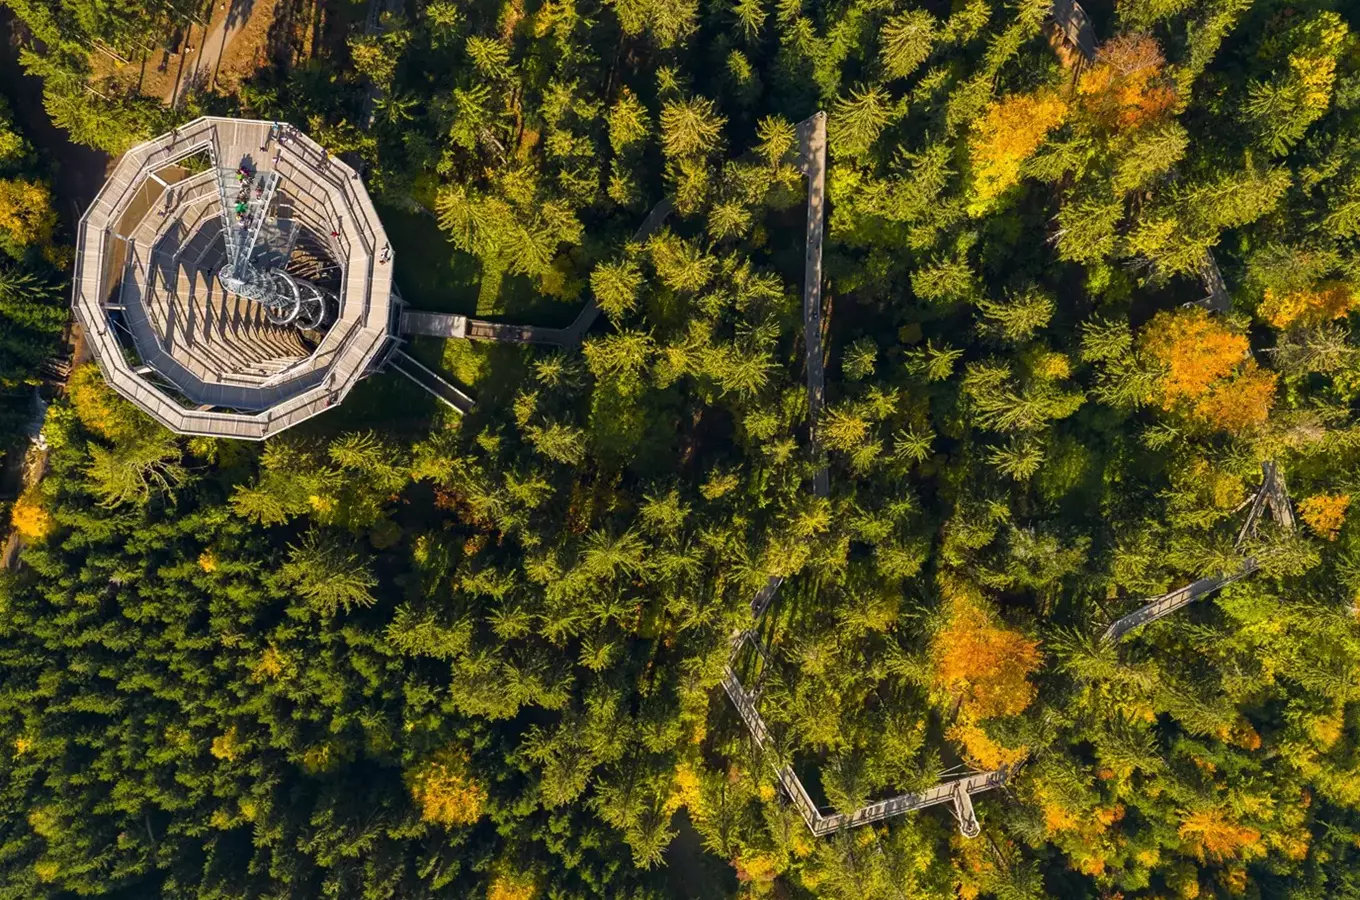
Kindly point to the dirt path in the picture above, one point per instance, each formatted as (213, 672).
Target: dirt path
(200, 68)
(34, 464)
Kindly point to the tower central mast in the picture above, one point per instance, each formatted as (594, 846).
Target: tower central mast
(247, 195)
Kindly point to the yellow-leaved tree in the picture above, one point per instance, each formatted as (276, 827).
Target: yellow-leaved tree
(509, 884)
(1307, 306)
(982, 667)
(445, 791)
(26, 214)
(1008, 134)
(1325, 513)
(30, 519)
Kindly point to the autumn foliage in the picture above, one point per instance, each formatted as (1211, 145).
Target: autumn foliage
(1009, 133)
(512, 886)
(26, 213)
(1214, 835)
(30, 519)
(99, 408)
(983, 666)
(1127, 88)
(1312, 306)
(1206, 371)
(1325, 513)
(445, 790)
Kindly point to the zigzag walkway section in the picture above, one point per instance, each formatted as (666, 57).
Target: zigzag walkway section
(957, 791)
(811, 162)
(1271, 494)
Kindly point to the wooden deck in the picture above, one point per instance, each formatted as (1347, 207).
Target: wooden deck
(144, 281)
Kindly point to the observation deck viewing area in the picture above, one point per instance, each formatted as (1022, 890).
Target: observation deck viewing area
(233, 278)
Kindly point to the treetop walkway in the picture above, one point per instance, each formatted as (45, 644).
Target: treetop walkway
(452, 325)
(1076, 26)
(1271, 495)
(958, 791)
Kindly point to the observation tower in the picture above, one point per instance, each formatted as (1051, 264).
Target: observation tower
(233, 278)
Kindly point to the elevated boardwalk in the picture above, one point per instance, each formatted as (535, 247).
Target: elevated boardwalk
(1272, 495)
(812, 163)
(1076, 26)
(957, 791)
(450, 325)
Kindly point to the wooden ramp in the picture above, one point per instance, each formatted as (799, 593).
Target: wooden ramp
(444, 325)
(1272, 495)
(430, 381)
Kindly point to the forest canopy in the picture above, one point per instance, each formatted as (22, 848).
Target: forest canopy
(1075, 311)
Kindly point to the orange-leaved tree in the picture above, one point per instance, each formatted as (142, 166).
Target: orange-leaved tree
(1127, 87)
(983, 667)
(1206, 372)
(1215, 835)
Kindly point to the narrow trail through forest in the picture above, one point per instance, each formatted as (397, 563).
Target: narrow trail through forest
(199, 69)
